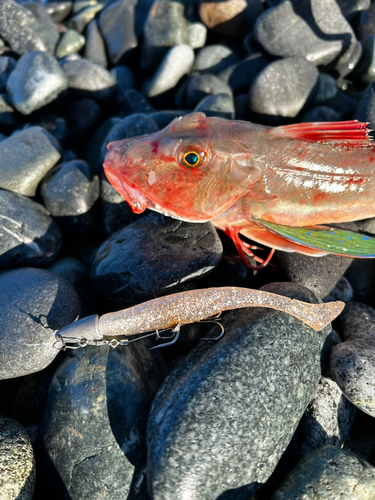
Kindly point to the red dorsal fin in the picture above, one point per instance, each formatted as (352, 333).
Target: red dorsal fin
(349, 134)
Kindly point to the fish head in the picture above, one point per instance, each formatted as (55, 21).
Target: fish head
(185, 171)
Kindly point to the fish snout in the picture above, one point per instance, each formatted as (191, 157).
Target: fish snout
(116, 154)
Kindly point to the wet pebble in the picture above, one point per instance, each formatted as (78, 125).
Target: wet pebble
(70, 42)
(327, 473)
(47, 82)
(35, 303)
(94, 49)
(17, 462)
(244, 394)
(153, 256)
(25, 158)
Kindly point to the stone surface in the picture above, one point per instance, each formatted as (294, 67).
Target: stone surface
(366, 25)
(124, 80)
(203, 86)
(36, 81)
(70, 42)
(197, 34)
(7, 65)
(34, 304)
(83, 117)
(17, 462)
(214, 58)
(245, 394)
(135, 103)
(10, 119)
(28, 234)
(350, 8)
(361, 276)
(151, 257)
(94, 49)
(25, 158)
(47, 27)
(221, 105)
(366, 65)
(82, 19)
(244, 73)
(328, 473)
(93, 428)
(58, 10)
(87, 79)
(116, 24)
(343, 291)
(284, 87)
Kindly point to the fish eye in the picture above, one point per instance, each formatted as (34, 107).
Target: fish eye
(193, 159)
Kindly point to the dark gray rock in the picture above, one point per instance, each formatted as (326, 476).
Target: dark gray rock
(327, 88)
(72, 270)
(164, 118)
(47, 27)
(328, 473)
(58, 10)
(9, 118)
(245, 394)
(365, 111)
(36, 81)
(152, 257)
(95, 49)
(343, 291)
(361, 441)
(105, 394)
(366, 25)
(321, 114)
(366, 65)
(25, 158)
(35, 303)
(28, 234)
(232, 18)
(136, 103)
(117, 26)
(177, 63)
(166, 26)
(244, 73)
(221, 105)
(214, 58)
(7, 65)
(84, 16)
(83, 117)
(366, 225)
(69, 192)
(361, 276)
(96, 143)
(203, 86)
(284, 87)
(306, 24)
(87, 79)
(54, 125)
(241, 104)
(70, 42)
(124, 79)
(17, 462)
(19, 28)
(358, 321)
(319, 274)
(350, 8)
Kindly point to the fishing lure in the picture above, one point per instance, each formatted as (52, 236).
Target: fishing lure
(173, 311)
(275, 186)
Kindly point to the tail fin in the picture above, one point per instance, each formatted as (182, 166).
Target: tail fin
(316, 316)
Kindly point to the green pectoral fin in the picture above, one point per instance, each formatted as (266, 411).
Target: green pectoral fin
(329, 239)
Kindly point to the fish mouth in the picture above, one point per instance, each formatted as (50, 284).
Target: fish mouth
(137, 202)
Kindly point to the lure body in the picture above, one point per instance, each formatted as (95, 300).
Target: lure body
(247, 175)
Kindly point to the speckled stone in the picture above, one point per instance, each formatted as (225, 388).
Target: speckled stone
(25, 158)
(17, 462)
(361, 276)
(35, 303)
(228, 410)
(343, 291)
(151, 257)
(358, 321)
(329, 473)
(47, 27)
(203, 86)
(93, 428)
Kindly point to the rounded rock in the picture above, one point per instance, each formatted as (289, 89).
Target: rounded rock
(203, 86)
(70, 42)
(220, 105)
(94, 49)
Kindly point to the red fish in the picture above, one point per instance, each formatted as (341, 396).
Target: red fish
(276, 186)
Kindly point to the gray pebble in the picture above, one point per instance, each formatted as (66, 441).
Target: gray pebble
(197, 34)
(35, 303)
(361, 441)
(366, 24)
(82, 19)
(164, 118)
(152, 257)
(48, 29)
(136, 103)
(36, 81)
(17, 462)
(70, 42)
(321, 114)
(83, 117)
(87, 79)
(358, 321)
(94, 49)
(227, 412)
(350, 8)
(366, 65)
(365, 111)
(244, 73)
(124, 79)
(329, 473)
(220, 105)
(9, 118)
(7, 65)
(214, 58)
(327, 88)
(58, 10)
(366, 225)
(343, 291)
(116, 23)
(25, 158)
(203, 86)
(361, 276)
(176, 64)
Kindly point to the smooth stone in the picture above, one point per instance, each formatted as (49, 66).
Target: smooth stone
(72, 270)
(358, 321)
(70, 42)
(220, 105)
(321, 114)
(166, 116)
(244, 73)
(365, 111)
(82, 19)
(343, 104)
(203, 86)
(319, 274)
(17, 462)
(58, 10)
(28, 234)
(19, 28)
(82, 4)
(328, 473)
(36, 81)
(327, 88)
(25, 158)
(87, 79)
(165, 27)
(350, 8)
(366, 225)
(9, 118)
(48, 29)
(35, 303)
(197, 33)
(366, 24)
(343, 291)
(232, 18)
(214, 58)
(241, 104)
(135, 103)
(177, 63)
(153, 256)
(248, 420)
(7, 65)
(361, 441)
(124, 80)
(366, 65)
(54, 125)
(307, 24)
(83, 117)
(117, 26)
(94, 146)
(69, 193)
(94, 49)
(361, 276)
(284, 87)
(106, 394)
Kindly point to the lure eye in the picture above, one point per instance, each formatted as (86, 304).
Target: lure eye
(193, 159)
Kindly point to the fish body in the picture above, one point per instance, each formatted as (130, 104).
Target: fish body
(250, 179)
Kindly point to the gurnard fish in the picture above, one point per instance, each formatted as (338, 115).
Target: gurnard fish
(282, 187)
